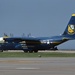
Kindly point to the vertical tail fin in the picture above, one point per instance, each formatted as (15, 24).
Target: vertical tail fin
(70, 29)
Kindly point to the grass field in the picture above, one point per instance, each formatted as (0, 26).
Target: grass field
(39, 54)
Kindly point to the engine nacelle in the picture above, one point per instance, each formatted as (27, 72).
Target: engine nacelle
(1, 40)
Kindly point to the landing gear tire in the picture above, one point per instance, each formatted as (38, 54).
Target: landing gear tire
(26, 51)
(35, 51)
(1, 50)
(30, 51)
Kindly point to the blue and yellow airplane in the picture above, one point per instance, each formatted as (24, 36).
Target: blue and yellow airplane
(32, 44)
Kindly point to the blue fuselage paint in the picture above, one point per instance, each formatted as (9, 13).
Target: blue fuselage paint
(40, 43)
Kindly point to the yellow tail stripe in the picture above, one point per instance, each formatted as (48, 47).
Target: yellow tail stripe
(73, 14)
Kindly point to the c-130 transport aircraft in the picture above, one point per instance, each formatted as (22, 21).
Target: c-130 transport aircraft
(32, 44)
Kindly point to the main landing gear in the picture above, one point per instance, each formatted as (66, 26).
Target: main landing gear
(30, 51)
(1, 50)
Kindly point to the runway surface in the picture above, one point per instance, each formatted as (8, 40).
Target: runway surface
(59, 51)
(37, 66)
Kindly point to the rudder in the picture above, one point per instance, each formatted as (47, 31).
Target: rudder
(70, 29)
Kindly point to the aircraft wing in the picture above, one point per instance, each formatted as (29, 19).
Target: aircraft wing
(26, 39)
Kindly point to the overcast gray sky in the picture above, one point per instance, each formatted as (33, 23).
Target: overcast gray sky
(38, 17)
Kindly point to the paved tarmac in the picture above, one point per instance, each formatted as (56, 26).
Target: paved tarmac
(37, 66)
(59, 51)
